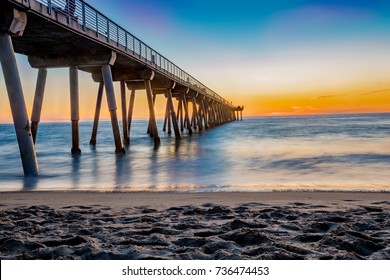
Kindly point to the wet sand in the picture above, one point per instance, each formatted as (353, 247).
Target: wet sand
(270, 225)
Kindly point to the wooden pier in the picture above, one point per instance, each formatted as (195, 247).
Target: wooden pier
(72, 34)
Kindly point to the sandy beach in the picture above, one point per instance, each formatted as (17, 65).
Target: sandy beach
(263, 225)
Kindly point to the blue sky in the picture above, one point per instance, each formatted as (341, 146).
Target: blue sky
(269, 49)
(242, 22)
(215, 29)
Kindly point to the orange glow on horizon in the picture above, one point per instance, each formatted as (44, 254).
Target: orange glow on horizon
(376, 101)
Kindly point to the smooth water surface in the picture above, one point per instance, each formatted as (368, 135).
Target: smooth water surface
(328, 152)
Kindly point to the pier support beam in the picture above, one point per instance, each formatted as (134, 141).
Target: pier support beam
(206, 125)
(130, 113)
(180, 113)
(166, 118)
(212, 113)
(196, 114)
(173, 114)
(109, 85)
(187, 117)
(38, 100)
(18, 106)
(74, 109)
(97, 114)
(200, 117)
(126, 139)
(150, 130)
(152, 120)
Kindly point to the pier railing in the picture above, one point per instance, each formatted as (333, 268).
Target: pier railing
(90, 18)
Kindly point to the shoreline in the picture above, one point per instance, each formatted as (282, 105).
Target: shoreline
(133, 226)
(124, 199)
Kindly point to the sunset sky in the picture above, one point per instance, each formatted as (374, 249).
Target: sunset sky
(275, 57)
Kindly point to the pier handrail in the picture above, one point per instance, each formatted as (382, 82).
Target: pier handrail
(92, 19)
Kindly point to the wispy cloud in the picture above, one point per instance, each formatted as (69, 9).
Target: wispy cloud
(376, 91)
(322, 97)
(328, 96)
(325, 96)
(297, 110)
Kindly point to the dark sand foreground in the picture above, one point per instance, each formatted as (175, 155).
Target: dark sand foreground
(276, 225)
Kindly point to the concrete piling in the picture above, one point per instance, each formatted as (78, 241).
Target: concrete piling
(126, 139)
(193, 118)
(38, 100)
(169, 120)
(110, 93)
(74, 109)
(187, 118)
(200, 121)
(206, 125)
(173, 114)
(167, 111)
(97, 114)
(180, 113)
(209, 113)
(213, 113)
(152, 119)
(18, 106)
(130, 113)
(196, 114)
(150, 129)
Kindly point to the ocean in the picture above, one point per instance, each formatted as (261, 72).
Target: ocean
(323, 152)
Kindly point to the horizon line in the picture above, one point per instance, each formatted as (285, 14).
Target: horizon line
(248, 116)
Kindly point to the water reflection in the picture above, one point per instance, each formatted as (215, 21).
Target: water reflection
(30, 183)
(75, 175)
(322, 152)
(123, 171)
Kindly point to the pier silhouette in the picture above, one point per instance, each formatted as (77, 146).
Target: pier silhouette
(72, 34)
